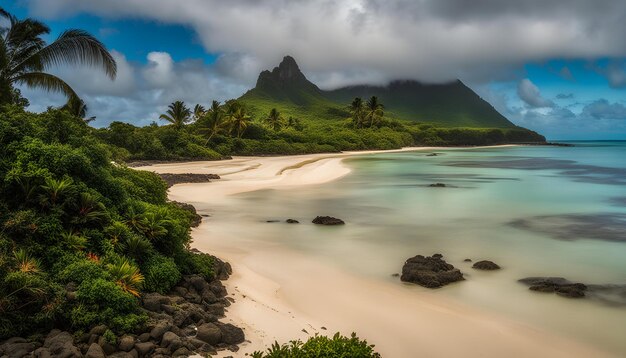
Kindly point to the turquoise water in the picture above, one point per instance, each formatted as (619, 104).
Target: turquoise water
(536, 211)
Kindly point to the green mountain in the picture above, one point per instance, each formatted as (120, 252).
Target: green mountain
(448, 105)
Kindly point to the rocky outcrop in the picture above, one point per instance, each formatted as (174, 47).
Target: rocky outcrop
(327, 220)
(430, 272)
(485, 265)
(173, 179)
(182, 323)
(558, 285)
(292, 221)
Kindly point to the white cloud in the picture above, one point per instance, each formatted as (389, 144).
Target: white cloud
(430, 40)
(141, 92)
(530, 94)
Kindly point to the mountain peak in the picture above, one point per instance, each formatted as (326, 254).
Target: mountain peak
(285, 81)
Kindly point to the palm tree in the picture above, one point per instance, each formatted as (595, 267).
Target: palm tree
(274, 120)
(78, 108)
(214, 120)
(25, 56)
(356, 112)
(55, 190)
(26, 263)
(89, 210)
(374, 110)
(198, 112)
(127, 276)
(238, 118)
(177, 114)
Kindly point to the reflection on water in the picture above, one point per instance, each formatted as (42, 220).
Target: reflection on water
(391, 214)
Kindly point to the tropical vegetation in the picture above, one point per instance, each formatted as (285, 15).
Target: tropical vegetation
(321, 347)
(25, 57)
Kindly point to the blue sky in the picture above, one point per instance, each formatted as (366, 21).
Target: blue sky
(561, 73)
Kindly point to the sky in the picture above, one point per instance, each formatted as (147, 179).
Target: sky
(554, 66)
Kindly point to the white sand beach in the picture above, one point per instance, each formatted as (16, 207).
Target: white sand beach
(281, 294)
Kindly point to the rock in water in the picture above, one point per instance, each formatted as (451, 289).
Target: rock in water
(486, 265)
(430, 272)
(327, 220)
(558, 285)
(292, 221)
(437, 185)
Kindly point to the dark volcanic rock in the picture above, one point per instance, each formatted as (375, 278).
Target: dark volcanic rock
(467, 260)
(231, 334)
(209, 333)
(437, 185)
(431, 272)
(558, 285)
(292, 221)
(95, 351)
(173, 179)
(327, 220)
(486, 265)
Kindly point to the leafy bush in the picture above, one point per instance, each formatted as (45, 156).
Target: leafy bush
(161, 274)
(321, 347)
(80, 271)
(104, 302)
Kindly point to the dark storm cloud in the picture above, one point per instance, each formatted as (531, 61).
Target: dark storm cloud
(430, 40)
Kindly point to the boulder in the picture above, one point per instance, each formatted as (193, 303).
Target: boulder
(485, 265)
(95, 351)
(209, 333)
(172, 341)
(181, 352)
(107, 347)
(61, 344)
(145, 348)
(126, 343)
(558, 285)
(231, 334)
(159, 330)
(17, 347)
(327, 220)
(430, 272)
(292, 221)
(467, 260)
(153, 301)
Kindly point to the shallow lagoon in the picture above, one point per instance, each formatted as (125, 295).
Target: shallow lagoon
(536, 211)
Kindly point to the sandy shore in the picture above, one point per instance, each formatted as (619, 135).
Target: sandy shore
(282, 294)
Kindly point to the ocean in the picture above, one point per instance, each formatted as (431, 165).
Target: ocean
(534, 210)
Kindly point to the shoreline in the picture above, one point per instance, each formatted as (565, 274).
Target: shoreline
(277, 297)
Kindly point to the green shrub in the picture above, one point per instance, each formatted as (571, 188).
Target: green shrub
(197, 263)
(104, 302)
(80, 271)
(321, 347)
(161, 274)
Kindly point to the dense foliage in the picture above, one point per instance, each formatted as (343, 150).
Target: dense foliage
(321, 347)
(80, 238)
(234, 128)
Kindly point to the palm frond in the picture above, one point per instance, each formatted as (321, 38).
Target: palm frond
(78, 47)
(127, 276)
(26, 263)
(46, 82)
